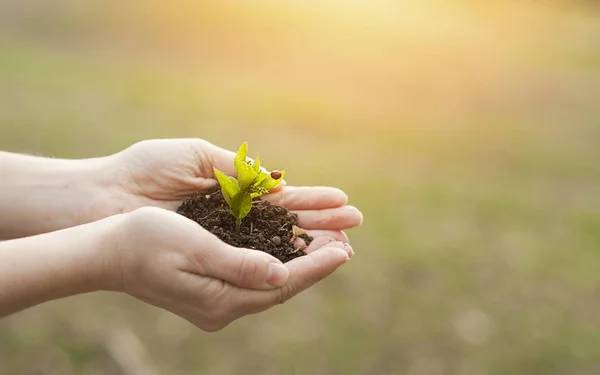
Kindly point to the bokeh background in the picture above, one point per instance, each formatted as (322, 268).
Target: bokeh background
(466, 131)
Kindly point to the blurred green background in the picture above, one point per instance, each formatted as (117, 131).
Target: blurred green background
(467, 132)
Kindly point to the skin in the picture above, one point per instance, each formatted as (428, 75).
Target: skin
(108, 224)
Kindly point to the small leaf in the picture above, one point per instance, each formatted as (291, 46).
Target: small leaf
(257, 192)
(246, 176)
(229, 186)
(269, 183)
(241, 205)
(256, 164)
(259, 180)
(240, 157)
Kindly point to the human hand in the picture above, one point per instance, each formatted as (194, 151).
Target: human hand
(40, 195)
(161, 173)
(161, 258)
(169, 261)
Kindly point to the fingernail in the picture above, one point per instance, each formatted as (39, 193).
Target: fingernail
(344, 246)
(277, 274)
(346, 199)
(348, 249)
(340, 251)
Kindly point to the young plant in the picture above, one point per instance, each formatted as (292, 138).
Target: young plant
(251, 182)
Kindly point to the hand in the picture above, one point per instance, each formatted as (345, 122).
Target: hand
(162, 258)
(168, 261)
(161, 173)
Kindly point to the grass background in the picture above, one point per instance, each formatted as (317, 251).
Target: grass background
(466, 133)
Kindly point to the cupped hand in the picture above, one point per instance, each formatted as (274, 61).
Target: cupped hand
(166, 260)
(161, 173)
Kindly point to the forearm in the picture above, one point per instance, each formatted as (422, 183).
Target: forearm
(56, 265)
(39, 195)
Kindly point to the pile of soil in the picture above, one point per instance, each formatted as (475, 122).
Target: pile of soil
(267, 227)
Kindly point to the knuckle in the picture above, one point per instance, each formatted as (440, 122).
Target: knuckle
(248, 270)
(284, 294)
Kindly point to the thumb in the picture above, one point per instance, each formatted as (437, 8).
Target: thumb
(304, 272)
(219, 158)
(223, 160)
(245, 268)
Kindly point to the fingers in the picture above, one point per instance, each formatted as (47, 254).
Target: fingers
(307, 197)
(337, 235)
(255, 269)
(310, 269)
(241, 267)
(330, 219)
(304, 272)
(219, 158)
(318, 207)
(320, 239)
(325, 241)
(229, 302)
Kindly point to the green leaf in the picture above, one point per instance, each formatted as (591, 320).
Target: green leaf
(240, 157)
(246, 173)
(270, 183)
(256, 165)
(259, 180)
(257, 192)
(241, 205)
(229, 186)
(246, 176)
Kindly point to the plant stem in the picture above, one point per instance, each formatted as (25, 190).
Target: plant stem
(238, 225)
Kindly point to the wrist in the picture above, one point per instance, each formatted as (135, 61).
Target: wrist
(104, 258)
(41, 195)
(58, 264)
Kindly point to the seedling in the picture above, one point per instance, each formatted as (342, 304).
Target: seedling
(251, 182)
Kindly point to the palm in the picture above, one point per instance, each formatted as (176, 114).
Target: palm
(163, 172)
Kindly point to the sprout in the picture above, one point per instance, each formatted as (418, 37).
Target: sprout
(251, 182)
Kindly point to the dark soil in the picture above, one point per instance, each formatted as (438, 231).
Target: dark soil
(267, 227)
